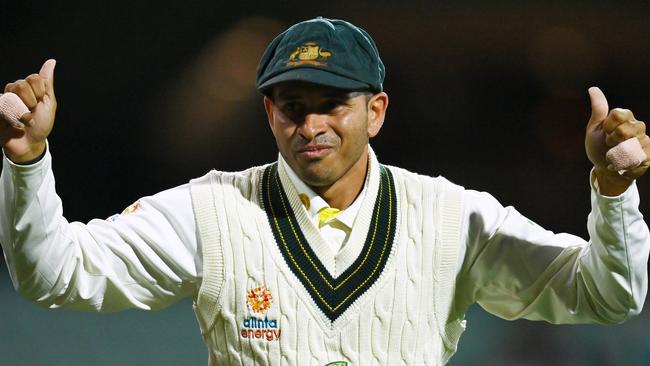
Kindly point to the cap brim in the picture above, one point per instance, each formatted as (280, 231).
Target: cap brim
(315, 76)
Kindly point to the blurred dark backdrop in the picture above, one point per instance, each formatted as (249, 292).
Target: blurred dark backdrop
(152, 94)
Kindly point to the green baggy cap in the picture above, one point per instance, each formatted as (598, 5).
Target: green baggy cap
(322, 51)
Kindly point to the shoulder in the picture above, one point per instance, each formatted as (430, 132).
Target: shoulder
(473, 200)
(249, 176)
(242, 185)
(481, 213)
(409, 179)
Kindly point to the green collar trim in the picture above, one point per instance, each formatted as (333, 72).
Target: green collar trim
(332, 295)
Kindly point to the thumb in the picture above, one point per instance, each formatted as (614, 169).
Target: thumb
(599, 106)
(47, 72)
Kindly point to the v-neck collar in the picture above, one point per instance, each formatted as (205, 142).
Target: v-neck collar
(310, 258)
(315, 203)
(336, 263)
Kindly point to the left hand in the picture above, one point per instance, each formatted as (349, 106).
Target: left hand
(607, 129)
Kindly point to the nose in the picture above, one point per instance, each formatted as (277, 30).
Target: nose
(313, 124)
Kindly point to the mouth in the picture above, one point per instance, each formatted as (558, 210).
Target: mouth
(314, 151)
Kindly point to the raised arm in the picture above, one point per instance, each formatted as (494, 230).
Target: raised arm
(516, 269)
(144, 258)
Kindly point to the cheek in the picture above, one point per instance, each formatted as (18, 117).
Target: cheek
(282, 129)
(354, 129)
(282, 141)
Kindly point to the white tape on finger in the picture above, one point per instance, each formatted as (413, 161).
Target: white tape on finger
(627, 155)
(12, 108)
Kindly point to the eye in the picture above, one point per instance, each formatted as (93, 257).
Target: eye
(292, 108)
(331, 105)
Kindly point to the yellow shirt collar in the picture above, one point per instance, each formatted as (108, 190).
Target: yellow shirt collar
(313, 203)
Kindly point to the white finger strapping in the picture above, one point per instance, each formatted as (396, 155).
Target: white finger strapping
(627, 155)
(12, 108)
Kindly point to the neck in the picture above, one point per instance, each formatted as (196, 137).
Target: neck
(345, 190)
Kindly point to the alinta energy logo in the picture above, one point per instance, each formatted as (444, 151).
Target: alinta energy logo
(259, 300)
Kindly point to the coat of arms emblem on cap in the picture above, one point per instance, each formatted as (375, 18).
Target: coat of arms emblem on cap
(309, 53)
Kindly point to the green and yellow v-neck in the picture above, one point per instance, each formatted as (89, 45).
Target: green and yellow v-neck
(333, 295)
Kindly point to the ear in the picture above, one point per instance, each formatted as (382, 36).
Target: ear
(268, 107)
(377, 106)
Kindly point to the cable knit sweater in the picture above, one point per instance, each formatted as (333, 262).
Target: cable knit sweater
(390, 305)
(269, 290)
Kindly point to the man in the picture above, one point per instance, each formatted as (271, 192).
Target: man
(325, 256)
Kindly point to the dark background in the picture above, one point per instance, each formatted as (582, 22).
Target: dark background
(493, 97)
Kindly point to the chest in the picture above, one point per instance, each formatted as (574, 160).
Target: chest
(270, 309)
(280, 300)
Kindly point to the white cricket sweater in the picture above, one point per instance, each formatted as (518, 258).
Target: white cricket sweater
(386, 311)
(152, 255)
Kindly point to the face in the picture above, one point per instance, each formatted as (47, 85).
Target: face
(323, 132)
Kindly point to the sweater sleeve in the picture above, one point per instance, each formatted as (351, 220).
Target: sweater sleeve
(144, 258)
(516, 269)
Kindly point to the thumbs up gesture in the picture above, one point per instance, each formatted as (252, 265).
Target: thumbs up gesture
(27, 111)
(616, 144)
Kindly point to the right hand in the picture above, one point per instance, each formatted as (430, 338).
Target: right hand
(37, 92)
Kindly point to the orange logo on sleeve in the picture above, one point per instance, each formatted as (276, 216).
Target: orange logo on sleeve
(131, 209)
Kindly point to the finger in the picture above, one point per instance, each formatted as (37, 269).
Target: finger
(645, 143)
(616, 117)
(627, 155)
(24, 91)
(47, 72)
(26, 119)
(644, 140)
(639, 170)
(38, 85)
(599, 106)
(625, 131)
(13, 110)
